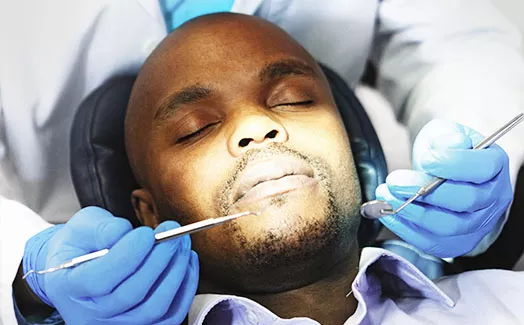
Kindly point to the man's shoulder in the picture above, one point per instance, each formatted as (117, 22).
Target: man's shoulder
(494, 296)
(497, 283)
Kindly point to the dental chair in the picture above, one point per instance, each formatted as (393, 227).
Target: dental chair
(102, 176)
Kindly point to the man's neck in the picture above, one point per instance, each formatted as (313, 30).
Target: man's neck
(325, 301)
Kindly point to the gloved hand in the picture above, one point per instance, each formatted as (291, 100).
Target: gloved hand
(135, 283)
(456, 216)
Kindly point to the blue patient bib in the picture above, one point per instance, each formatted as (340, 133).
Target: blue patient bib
(177, 12)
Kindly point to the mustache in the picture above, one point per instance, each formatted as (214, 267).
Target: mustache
(252, 155)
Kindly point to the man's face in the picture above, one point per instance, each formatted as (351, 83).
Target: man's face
(242, 120)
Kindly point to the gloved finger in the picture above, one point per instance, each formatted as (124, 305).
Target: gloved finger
(456, 140)
(180, 306)
(179, 280)
(133, 290)
(441, 134)
(94, 228)
(456, 136)
(435, 220)
(429, 243)
(100, 276)
(468, 165)
(450, 195)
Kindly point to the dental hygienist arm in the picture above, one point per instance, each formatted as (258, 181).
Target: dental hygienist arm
(459, 60)
(17, 224)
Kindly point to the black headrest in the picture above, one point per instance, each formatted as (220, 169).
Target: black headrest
(102, 176)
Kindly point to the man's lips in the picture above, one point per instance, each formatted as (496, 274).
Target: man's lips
(279, 186)
(276, 175)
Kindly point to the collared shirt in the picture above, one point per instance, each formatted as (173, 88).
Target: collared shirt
(390, 290)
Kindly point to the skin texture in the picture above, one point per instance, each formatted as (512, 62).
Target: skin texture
(220, 96)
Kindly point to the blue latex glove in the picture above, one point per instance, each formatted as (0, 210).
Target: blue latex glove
(455, 217)
(135, 283)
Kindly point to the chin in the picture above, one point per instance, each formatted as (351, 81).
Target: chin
(297, 252)
(285, 213)
(294, 243)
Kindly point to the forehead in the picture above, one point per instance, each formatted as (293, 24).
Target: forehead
(220, 55)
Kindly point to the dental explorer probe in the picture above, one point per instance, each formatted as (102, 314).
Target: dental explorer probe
(376, 208)
(160, 237)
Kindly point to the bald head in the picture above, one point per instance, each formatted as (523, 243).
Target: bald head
(206, 46)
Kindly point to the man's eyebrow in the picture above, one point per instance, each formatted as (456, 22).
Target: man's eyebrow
(286, 67)
(187, 95)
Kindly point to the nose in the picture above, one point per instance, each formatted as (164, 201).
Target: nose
(255, 131)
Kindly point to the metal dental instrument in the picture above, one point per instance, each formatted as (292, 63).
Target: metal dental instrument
(376, 208)
(160, 237)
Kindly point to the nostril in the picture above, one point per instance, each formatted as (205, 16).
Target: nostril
(272, 134)
(244, 142)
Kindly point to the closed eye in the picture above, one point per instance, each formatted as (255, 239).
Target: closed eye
(195, 134)
(301, 103)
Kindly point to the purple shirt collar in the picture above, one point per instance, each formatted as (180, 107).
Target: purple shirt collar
(384, 273)
(381, 273)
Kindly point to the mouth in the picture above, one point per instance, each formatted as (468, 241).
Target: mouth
(276, 187)
(274, 176)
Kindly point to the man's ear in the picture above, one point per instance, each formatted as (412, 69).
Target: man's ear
(145, 208)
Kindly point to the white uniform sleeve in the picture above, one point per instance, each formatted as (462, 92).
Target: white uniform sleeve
(453, 59)
(17, 224)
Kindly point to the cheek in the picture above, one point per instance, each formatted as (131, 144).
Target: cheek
(189, 182)
(323, 136)
(329, 141)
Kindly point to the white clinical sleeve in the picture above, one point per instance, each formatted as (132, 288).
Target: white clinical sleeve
(17, 224)
(453, 59)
